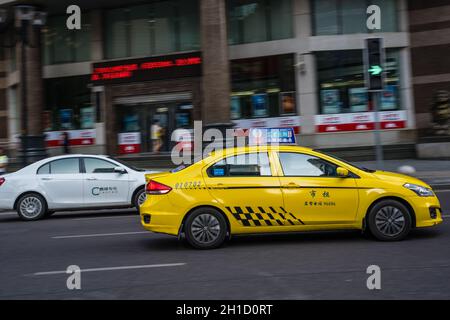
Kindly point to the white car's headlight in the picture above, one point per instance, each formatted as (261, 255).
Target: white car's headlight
(419, 190)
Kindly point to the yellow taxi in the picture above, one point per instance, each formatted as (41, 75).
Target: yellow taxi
(263, 189)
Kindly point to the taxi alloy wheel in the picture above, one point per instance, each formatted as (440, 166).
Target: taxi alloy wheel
(31, 207)
(205, 228)
(390, 220)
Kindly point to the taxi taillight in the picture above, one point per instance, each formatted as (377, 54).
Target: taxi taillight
(2, 181)
(154, 187)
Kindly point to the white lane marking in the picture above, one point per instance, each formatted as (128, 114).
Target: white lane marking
(446, 216)
(98, 235)
(145, 266)
(113, 217)
(443, 190)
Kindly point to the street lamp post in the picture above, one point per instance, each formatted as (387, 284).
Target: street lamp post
(25, 19)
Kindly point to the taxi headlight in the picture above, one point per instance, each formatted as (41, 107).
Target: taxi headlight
(419, 190)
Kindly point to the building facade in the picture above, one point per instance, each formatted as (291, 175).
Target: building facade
(257, 63)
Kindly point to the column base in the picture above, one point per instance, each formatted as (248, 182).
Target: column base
(32, 149)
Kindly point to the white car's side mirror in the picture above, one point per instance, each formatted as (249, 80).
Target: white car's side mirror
(120, 170)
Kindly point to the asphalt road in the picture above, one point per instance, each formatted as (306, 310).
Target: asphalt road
(124, 262)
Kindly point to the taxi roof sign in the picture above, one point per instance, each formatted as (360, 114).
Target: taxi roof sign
(263, 136)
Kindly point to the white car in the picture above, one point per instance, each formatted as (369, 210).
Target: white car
(72, 182)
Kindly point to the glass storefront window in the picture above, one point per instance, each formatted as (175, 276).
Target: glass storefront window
(62, 45)
(189, 28)
(263, 87)
(259, 20)
(151, 29)
(332, 17)
(342, 86)
(68, 104)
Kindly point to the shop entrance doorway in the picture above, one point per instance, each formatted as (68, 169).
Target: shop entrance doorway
(147, 126)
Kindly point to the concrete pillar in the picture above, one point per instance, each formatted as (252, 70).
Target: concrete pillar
(216, 66)
(34, 83)
(96, 20)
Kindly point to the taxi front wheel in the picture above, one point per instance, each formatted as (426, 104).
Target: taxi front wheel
(205, 228)
(389, 220)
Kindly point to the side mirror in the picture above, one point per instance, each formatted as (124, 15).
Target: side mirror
(120, 170)
(342, 172)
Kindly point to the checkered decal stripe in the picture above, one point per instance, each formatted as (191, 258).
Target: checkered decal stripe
(260, 217)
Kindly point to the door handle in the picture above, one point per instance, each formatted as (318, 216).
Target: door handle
(218, 186)
(46, 179)
(91, 179)
(292, 185)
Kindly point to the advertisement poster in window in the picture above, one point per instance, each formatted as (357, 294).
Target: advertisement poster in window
(358, 99)
(259, 104)
(87, 117)
(389, 98)
(65, 119)
(235, 107)
(131, 123)
(287, 102)
(330, 101)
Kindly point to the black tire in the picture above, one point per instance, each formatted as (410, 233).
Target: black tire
(389, 220)
(210, 238)
(136, 200)
(31, 207)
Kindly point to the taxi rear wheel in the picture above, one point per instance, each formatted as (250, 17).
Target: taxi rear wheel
(205, 228)
(389, 220)
(31, 207)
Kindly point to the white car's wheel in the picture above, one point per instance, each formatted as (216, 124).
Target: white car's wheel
(31, 206)
(139, 198)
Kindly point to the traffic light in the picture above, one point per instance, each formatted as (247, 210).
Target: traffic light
(374, 64)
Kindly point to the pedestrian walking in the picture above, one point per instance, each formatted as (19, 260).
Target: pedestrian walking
(65, 142)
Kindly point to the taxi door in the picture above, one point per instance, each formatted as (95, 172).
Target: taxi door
(313, 191)
(247, 186)
(103, 186)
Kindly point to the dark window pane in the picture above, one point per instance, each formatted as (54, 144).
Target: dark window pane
(259, 20)
(342, 84)
(45, 169)
(298, 164)
(258, 85)
(354, 16)
(93, 165)
(325, 17)
(249, 164)
(65, 166)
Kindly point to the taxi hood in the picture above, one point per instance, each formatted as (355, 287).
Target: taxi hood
(398, 178)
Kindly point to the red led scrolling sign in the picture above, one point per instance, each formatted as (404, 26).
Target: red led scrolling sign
(147, 68)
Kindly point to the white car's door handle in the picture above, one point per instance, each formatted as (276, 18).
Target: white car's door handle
(91, 179)
(46, 179)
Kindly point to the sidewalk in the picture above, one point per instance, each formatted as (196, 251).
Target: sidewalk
(434, 172)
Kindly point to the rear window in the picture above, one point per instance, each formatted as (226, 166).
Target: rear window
(45, 169)
(242, 165)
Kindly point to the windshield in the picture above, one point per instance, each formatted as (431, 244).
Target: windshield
(127, 164)
(345, 161)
